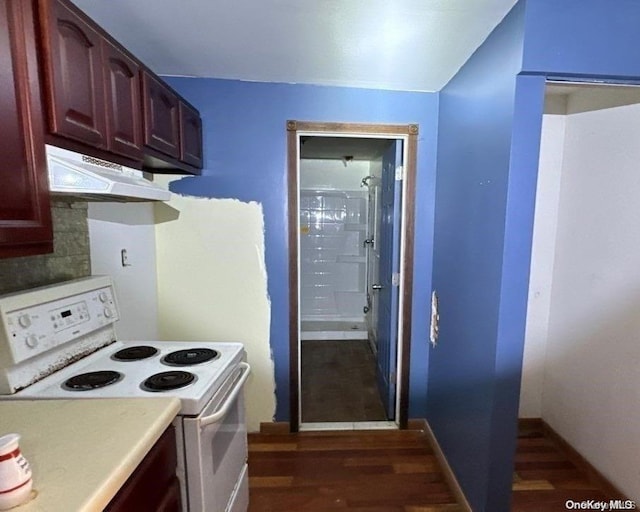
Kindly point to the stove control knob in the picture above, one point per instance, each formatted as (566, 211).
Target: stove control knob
(103, 296)
(31, 341)
(107, 312)
(24, 320)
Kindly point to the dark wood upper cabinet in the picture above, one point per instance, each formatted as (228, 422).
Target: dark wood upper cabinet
(75, 82)
(25, 215)
(102, 100)
(124, 110)
(161, 116)
(190, 136)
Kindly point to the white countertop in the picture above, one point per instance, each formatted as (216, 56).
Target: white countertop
(82, 451)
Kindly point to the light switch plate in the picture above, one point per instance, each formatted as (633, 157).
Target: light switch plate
(435, 318)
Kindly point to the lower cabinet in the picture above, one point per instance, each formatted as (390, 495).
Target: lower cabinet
(154, 486)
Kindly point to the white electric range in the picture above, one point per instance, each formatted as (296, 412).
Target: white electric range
(59, 342)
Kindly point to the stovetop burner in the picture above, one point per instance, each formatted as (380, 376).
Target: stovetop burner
(190, 356)
(92, 380)
(166, 381)
(134, 353)
(194, 385)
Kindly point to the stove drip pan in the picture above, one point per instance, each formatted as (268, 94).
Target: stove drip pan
(190, 356)
(92, 380)
(167, 381)
(134, 353)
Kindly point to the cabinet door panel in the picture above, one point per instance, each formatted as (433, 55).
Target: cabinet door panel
(153, 486)
(161, 121)
(124, 110)
(75, 75)
(25, 217)
(190, 136)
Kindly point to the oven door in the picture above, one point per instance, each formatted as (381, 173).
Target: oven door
(215, 445)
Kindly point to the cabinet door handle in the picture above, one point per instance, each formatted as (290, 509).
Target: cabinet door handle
(376, 286)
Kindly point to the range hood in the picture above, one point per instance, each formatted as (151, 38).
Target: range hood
(85, 177)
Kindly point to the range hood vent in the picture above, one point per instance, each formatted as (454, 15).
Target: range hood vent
(84, 177)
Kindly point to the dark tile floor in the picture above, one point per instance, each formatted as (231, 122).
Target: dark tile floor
(339, 382)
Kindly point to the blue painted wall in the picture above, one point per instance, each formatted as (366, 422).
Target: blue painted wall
(592, 38)
(245, 158)
(475, 126)
(489, 136)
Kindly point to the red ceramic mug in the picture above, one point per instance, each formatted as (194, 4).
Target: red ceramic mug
(15, 473)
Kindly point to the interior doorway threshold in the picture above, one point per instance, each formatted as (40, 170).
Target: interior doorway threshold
(347, 425)
(347, 329)
(333, 335)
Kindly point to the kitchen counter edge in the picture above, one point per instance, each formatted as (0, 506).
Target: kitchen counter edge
(83, 451)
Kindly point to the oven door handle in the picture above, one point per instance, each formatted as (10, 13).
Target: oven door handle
(231, 398)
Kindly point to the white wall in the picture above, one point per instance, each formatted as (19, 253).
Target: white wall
(212, 285)
(542, 259)
(591, 384)
(321, 174)
(130, 226)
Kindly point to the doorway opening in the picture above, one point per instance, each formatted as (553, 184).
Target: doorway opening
(351, 246)
(582, 331)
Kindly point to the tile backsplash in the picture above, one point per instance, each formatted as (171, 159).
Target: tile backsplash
(70, 259)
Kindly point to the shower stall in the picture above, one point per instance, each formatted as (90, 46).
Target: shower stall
(335, 236)
(333, 263)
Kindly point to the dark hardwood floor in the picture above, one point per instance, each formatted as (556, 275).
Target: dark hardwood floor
(396, 471)
(357, 471)
(545, 476)
(338, 382)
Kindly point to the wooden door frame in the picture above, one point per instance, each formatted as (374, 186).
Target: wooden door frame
(410, 133)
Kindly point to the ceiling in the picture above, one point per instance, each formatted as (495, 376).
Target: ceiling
(411, 45)
(572, 98)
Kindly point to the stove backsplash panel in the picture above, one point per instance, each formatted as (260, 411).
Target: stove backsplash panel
(70, 259)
